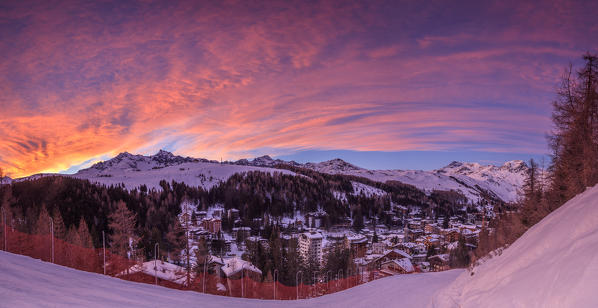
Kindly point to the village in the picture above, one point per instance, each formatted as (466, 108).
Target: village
(413, 244)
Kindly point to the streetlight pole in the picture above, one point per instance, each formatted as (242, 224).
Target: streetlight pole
(205, 265)
(52, 234)
(242, 288)
(155, 260)
(314, 285)
(299, 274)
(4, 226)
(275, 281)
(104, 249)
(340, 276)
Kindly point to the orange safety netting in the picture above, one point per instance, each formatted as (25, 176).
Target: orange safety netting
(39, 246)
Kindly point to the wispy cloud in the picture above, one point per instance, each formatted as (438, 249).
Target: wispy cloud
(80, 81)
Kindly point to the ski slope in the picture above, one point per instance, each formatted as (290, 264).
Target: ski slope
(136, 170)
(554, 264)
(27, 282)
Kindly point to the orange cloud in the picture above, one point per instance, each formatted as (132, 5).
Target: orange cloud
(225, 79)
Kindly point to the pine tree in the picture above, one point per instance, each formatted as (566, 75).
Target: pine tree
(59, 227)
(175, 240)
(84, 235)
(122, 224)
(43, 225)
(574, 140)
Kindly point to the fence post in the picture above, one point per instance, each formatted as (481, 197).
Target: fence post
(156, 246)
(313, 288)
(242, 287)
(297, 281)
(275, 281)
(204, 274)
(349, 272)
(52, 234)
(104, 249)
(4, 226)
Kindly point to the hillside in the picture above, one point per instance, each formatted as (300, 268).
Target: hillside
(554, 264)
(137, 170)
(27, 282)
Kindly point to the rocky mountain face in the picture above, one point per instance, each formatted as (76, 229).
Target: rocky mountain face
(127, 161)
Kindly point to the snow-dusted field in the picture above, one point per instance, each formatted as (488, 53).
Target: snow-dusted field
(554, 264)
(26, 282)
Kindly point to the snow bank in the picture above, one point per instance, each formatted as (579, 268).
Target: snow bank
(26, 282)
(554, 264)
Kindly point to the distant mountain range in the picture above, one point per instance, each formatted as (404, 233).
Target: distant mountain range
(471, 179)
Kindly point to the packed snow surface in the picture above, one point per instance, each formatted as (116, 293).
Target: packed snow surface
(554, 264)
(26, 282)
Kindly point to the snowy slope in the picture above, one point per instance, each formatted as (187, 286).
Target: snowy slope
(136, 170)
(471, 179)
(554, 264)
(27, 282)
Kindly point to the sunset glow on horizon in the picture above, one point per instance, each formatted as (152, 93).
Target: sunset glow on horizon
(83, 81)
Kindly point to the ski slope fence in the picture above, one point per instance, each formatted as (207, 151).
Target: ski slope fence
(244, 283)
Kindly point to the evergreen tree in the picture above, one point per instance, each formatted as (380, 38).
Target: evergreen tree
(122, 224)
(43, 225)
(84, 235)
(59, 227)
(175, 241)
(574, 140)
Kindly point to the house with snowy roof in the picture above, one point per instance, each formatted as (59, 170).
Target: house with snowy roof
(397, 266)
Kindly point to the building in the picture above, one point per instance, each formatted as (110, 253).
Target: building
(315, 219)
(359, 245)
(397, 266)
(212, 225)
(310, 246)
(439, 262)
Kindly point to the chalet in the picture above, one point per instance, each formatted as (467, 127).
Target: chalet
(390, 255)
(233, 214)
(439, 262)
(378, 248)
(397, 266)
(316, 219)
(201, 215)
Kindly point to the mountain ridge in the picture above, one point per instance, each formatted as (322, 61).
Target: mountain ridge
(473, 180)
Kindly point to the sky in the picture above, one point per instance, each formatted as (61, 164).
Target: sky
(378, 83)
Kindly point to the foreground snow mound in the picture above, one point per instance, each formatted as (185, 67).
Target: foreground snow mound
(554, 264)
(26, 282)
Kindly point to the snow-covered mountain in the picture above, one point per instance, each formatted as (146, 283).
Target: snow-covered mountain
(137, 170)
(5, 180)
(264, 161)
(471, 179)
(554, 264)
